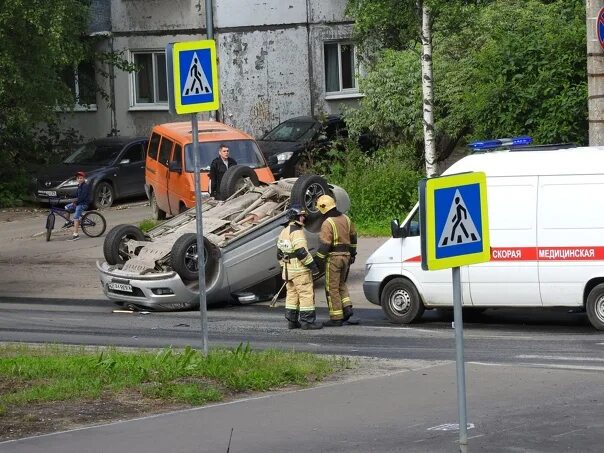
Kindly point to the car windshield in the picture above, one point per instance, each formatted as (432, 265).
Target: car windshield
(245, 152)
(292, 131)
(94, 153)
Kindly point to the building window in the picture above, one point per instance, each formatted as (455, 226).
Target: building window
(340, 65)
(81, 82)
(150, 84)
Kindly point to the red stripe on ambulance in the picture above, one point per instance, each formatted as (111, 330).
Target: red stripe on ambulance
(579, 253)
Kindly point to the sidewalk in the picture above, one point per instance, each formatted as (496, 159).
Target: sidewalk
(410, 410)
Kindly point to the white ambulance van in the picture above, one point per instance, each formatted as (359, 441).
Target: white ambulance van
(546, 219)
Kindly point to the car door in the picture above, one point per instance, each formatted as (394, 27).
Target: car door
(163, 174)
(177, 182)
(130, 178)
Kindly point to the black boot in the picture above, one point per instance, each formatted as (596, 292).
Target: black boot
(348, 316)
(333, 323)
(293, 325)
(310, 326)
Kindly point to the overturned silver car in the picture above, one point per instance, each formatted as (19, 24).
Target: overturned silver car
(158, 270)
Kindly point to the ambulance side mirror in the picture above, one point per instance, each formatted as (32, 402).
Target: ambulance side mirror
(396, 230)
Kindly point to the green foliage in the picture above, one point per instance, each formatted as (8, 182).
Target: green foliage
(147, 224)
(501, 68)
(526, 72)
(52, 373)
(381, 187)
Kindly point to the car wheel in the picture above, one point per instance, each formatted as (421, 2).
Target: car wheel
(103, 195)
(305, 192)
(595, 307)
(400, 301)
(234, 179)
(114, 247)
(185, 262)
(158, 214)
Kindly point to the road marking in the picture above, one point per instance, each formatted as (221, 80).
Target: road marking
(558, 357)
(449, 427)
(543, 365)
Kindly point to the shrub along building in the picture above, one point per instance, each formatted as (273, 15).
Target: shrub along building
(277, 59)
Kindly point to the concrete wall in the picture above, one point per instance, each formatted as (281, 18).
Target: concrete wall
(151, 16)
(270, 56)
(264, 77)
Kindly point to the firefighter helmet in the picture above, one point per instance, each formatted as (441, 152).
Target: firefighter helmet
(296, 211)
(325, 203)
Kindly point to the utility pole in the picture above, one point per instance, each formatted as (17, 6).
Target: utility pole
(595, 73)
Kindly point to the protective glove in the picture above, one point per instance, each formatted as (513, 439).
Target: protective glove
(280, 254)
(314, 269)
(352, 258)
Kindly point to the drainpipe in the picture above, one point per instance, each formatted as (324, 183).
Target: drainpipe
(113, 117)
(215, 115)
(114, 130)
(310, 57)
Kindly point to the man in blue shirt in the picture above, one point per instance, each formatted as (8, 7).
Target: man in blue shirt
(79, 205)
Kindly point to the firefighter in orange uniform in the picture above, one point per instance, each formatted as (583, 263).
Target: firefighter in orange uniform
(299, 267)
(337, 251)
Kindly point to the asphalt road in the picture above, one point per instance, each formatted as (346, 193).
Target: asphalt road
(534, 376)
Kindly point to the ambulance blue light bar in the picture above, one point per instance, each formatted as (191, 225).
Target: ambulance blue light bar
(486, 145)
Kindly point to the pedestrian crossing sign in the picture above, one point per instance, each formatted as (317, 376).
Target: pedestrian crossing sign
(454, 221)
(192, 76)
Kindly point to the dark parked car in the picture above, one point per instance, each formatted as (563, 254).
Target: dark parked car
(286, 147)
(290, 146)
(114, 167)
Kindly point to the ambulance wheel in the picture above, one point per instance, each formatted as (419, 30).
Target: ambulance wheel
(400, 301)
(595, 307)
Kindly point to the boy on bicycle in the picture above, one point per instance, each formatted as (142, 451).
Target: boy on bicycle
(79, 205)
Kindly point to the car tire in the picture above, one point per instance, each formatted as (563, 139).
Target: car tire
(595, 306)
(184, 259)
(401, 302)
(305, 192)
(104, 195)
(158, 214)
(234, 178)
(114, 245)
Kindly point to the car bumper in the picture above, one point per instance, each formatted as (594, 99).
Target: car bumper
(147, 290)
(372, 292)
(54, 196)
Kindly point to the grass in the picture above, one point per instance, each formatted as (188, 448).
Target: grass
(146, 224)
(50, 373)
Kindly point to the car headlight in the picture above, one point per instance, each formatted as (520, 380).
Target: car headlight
(282, 157)
(70, 183)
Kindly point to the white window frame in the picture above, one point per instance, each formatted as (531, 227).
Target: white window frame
(134, 105)
(342, 93)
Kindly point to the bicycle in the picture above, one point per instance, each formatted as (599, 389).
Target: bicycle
(93, 223)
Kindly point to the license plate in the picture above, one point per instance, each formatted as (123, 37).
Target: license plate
(48, 193)
(120, 287)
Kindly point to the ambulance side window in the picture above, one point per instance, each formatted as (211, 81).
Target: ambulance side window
(414, 224)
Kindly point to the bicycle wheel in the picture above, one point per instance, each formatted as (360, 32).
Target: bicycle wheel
(93, 224)
(50, 224)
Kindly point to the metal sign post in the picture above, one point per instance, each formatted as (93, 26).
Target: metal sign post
(193, 87)
(203, 309)
(459, 362)
(455, 232)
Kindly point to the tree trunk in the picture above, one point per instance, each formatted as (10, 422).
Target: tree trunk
(428, 91)
(595, 74)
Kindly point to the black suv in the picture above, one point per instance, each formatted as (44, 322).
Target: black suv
(114, 167)
(286, 147)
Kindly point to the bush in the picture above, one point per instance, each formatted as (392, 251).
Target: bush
(381, 187)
